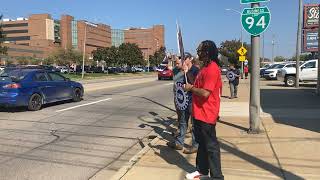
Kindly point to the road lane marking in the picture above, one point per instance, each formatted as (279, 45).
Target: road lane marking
(168, 84)
(87, 104)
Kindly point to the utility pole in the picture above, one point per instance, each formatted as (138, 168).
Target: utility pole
(318, 86)
(263, 47)
(299, 36)
(254, 108)
(273, 44)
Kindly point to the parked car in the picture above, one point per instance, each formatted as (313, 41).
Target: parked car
(149, 69)
(63, 69)
(33, 88)
(308, 73)
(49, 68)
(165, 74)
(137, 69)
(2, 68)
(224, 70)
(271, 73)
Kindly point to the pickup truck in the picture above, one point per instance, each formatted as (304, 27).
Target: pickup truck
(308, 73)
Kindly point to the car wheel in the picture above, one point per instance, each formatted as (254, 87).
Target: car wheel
(35, 102)
(77, 94)
(290, 81)
(159, 78)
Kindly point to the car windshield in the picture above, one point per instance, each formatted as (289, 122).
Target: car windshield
(266, 66)
(273, 66)
(13, 75)
(280, 66)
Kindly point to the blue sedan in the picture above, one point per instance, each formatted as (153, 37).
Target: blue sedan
(33, 88)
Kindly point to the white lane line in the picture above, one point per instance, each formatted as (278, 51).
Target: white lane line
(87, 104)
(168, 84)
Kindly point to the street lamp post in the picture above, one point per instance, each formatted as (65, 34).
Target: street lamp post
(241, 38)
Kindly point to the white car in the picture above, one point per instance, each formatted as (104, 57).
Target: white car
(272, 72)
(63, 69)
(308, 73)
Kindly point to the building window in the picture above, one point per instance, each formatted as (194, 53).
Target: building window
(14, 25)
(117, 37)
(20, 38)
(74, 31)
(57, 37)
(15, 31)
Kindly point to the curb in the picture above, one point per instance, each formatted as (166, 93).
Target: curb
(126, 168)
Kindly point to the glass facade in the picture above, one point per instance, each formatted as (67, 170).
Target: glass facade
(57, 37)
(74, 32)
(117, 37)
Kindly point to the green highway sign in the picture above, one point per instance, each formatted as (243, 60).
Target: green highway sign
(252, 1)
(255, 20)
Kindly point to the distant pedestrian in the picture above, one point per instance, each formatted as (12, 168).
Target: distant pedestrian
(206, 93)
(246, 71)
(233, 75)
(183, 102)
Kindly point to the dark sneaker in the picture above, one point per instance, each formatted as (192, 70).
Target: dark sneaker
(190, 150)
(174, 146)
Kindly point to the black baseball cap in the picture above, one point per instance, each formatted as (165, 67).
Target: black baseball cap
(188, 55)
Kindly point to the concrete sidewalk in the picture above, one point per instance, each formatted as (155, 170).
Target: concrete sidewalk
(287, 149)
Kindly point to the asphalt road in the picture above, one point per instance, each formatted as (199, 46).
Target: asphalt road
(75, 141)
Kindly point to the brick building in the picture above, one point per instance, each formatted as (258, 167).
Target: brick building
(39, 35)
(149, 40)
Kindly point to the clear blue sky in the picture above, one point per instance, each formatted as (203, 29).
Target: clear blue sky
(199, 19)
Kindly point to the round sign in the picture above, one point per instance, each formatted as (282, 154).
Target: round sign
(181, 97)
(231, 75)
(255, 20)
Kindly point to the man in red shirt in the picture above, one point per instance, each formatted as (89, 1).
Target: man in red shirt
(206, 105)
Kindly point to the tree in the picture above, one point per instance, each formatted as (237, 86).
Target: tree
(63, 57)
(3, 49)
(157, 57)
(23, 60)
(229, 49)
(305, 57)
(130, 54)
(110, 55)
(279, 59)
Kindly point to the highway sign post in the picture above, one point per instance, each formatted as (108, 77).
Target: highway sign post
(252, 1)
(255, 20)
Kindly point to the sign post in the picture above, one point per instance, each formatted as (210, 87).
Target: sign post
(255, 20)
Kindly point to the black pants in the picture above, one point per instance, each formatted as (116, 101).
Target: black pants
(208, 155)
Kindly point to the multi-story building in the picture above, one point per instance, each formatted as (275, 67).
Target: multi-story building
(149, 40)
(39, 35)
(74, 32)
(32, 37)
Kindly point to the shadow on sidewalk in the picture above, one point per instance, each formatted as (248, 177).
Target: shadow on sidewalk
(232, 125)
(260, 163)
(294, 107)
(173, 157)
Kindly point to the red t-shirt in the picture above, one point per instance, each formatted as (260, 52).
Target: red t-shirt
(207, 109)
(246, 69)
